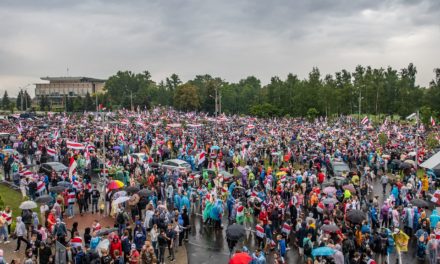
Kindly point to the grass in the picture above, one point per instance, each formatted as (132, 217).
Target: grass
(12, 198)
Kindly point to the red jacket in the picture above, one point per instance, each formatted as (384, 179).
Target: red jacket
(115, 245)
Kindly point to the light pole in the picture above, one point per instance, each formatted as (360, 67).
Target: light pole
(360, 105)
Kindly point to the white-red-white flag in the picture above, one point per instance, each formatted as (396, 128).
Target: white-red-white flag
(75, 145)
(202, 157)
(365, 120)
(51, 152)
(72, 167)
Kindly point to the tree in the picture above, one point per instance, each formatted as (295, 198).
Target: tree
(186, 97)
(5, 101)
(264, 110)
(425, 113)
(89, 104)
(432, 141)
(43, 103)
(383, 139)
(312, 113)
(78, 105)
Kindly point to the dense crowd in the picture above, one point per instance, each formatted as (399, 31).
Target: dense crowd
(276, 177)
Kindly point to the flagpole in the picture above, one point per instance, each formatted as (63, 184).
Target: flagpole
(103, 161)
(417, 142)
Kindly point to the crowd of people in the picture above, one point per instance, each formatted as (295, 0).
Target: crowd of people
(275, 177)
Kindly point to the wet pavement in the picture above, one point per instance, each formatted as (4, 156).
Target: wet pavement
(208, 245)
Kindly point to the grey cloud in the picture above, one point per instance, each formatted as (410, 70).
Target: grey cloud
(231, 39)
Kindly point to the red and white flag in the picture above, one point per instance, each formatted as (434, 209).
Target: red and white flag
(125, 121)
(432, 121)
(202, 157)
(72, 167)
(76, 242)
(365, 120)
(51, 152)
(259, 231)
(75, 145)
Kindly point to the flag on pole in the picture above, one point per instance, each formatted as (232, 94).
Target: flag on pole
(72, 167)
(365, 120)
(75, 145)
(432, 121)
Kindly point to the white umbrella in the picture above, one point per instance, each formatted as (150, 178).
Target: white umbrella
(104, 244)
(28, 205)
(121, 199)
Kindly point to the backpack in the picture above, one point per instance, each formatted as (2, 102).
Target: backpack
(307, 248)
(180, 220)
(120, 219)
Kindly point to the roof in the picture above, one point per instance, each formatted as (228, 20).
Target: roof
(433, 162)
(71, 79)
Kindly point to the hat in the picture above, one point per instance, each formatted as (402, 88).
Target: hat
(133, 246)
(396, 231)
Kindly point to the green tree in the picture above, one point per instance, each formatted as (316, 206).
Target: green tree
(78, 105)
(425, 113)
(312, 113)
(88, 104)
(431, 141)
(43, 101)
(383, 139)
(264, 110)
(186, 97)
(6, 101)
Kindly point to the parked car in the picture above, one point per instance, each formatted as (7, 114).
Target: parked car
(339, 168)
(176, 164)
(48, 167)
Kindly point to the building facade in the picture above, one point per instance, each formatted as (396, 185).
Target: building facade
(60, 87)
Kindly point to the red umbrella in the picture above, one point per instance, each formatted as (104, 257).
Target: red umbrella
(240, 258)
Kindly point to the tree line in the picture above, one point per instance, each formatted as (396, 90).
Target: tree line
(373, 90)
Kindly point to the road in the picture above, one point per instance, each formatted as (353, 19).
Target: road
(208, 246)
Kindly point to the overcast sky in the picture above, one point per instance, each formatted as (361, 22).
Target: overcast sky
(230, 39)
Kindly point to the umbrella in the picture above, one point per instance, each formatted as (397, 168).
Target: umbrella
(280, 173)
(145, 193)
(44, 199)
(104, 232)
(330, 200)
(63, 183)
(115, 184)
(134, 199)
(132, 189)
(405, 165)
(28, 205)
(240, 258)
(356, 216)
(57, 189)
(215, 148)
(328, 184)
(349, 187)
(116, 148)
(235, 232)
(419, 203)
(226, 175)
(323, 251)
(329, 189)
(121, 199)
(330, 228)
(413, 163)
(119, 194)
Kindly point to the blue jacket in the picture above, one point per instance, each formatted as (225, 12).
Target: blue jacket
(434, 218)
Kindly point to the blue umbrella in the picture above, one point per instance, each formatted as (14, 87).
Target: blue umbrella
(215, 148)
(323, 251)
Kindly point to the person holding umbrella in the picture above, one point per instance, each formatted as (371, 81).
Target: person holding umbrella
(20, 232)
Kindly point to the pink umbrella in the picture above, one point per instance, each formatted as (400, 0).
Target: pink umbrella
(329, 190)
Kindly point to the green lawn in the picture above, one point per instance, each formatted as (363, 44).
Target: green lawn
(12, 198)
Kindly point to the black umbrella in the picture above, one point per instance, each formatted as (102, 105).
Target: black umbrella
(235, 232)
(327, 184)
(145, 193)
(330, 228)
(419, 203)
(132, 189)
(405, 165)
(57, 189)
(44, 199)
(356, 216)
(104, 232)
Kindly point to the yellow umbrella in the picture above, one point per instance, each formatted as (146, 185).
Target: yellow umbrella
(280, 173)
